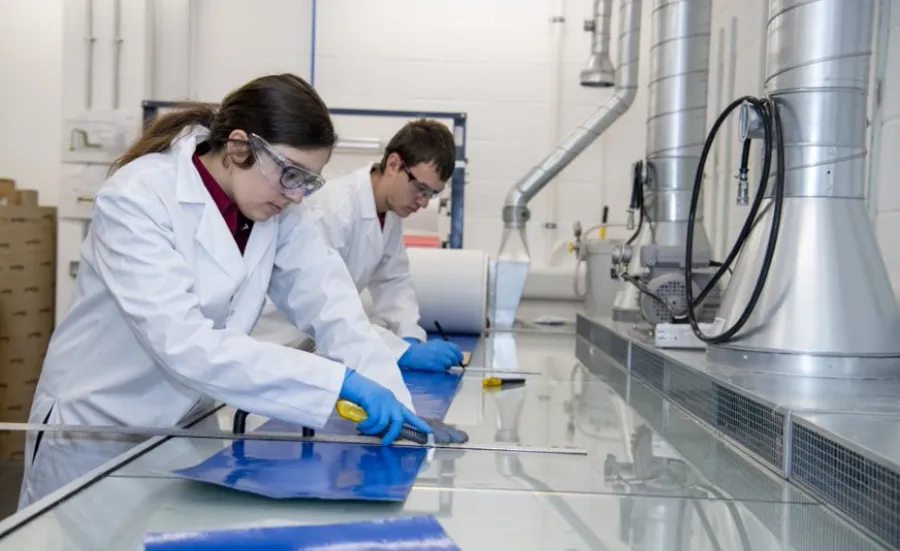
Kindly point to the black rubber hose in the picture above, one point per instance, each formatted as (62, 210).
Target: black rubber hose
(637, 199)
(742, 237)
(772, 125)
(748, 226)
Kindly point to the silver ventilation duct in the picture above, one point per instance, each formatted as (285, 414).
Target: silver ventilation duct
(599, 72)
(509, 272)
(827, 307)
(676, 131)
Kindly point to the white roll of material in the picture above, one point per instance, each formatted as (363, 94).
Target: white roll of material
(451, 288)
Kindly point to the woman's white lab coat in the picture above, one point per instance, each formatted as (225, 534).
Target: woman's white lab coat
(376, 257)
(163, 306)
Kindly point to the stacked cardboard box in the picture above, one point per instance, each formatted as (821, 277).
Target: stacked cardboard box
(27, 296)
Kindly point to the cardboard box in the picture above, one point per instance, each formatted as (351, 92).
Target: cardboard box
(27, 303)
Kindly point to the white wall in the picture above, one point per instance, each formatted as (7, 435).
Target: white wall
(31, 58)
(492, 60)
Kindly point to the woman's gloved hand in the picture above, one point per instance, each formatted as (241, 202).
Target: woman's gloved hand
(447, 434)
(385, 412)
(430, 356)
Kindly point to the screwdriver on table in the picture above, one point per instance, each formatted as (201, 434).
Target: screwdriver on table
(500, 382)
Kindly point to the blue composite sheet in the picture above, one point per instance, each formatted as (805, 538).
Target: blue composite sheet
(467, 342)
(411, 534)
(329, 471)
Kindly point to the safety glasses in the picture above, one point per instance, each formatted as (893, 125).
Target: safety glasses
(423, 189)
(294, 179)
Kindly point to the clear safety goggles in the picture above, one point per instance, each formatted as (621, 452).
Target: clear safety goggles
(422, 189)
(294, 179)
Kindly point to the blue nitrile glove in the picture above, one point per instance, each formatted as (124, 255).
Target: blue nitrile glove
(447, 434)
(430, 356)
(385, 412)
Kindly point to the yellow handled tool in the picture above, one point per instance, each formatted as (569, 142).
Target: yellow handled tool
(497, 382)
(355, 414)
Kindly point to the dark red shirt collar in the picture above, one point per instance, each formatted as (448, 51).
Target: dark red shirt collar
(238, 224)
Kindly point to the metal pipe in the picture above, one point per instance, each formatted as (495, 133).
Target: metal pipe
(676, 118)
(515, 211)
(89, 40)
(193, 42)
(599, 72)
(877, 125)
(723, 236)
(828, 308)
(818, 74)
(117, 53)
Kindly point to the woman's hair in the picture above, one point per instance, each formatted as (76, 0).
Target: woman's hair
(281, 109)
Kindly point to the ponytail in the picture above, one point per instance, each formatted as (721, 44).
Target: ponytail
(158, 136)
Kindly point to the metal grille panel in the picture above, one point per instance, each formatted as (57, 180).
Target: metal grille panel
(755, 426)
(648, 367)
(608, 341)
(601, 366)
(865, 491)
(693, 392)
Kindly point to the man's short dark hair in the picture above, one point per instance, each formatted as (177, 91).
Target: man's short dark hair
(424, 141)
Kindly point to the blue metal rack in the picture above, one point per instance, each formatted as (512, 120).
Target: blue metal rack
(458, 182)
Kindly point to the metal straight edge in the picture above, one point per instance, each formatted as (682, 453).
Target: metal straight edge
(21, 518)
(500, 371)
(276, 436)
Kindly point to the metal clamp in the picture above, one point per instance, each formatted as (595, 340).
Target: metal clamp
(750, 124)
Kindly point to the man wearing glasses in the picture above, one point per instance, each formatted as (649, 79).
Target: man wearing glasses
(361, 216)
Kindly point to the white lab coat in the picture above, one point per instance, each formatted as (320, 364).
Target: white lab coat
(376, 258)
(163, 307)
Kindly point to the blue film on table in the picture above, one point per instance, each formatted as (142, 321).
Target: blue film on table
(330, 471)
(411, 534)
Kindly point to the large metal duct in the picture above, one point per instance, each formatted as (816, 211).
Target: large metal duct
(676, 131)
(599, 72)
(509, 272)
(827, 307)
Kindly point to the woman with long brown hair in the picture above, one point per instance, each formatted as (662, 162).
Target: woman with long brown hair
(199, 221)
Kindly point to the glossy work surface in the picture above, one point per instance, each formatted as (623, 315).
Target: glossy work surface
(652, 482)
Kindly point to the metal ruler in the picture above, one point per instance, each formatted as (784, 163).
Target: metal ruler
(175, 432)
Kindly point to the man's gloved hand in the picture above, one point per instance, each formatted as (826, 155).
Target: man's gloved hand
(447, 434)
(385, 412)
(430, 356)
